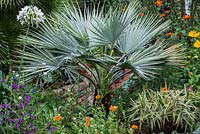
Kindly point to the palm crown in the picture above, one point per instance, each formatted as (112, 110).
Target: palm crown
(116, 39)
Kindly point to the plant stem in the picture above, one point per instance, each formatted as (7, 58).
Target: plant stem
(22, 59)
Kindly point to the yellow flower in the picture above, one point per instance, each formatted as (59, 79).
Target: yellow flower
(134, 126)
(164, 90)
(97, 97)
(197, 44)
(57, 117)
(113, 108)
(193, 34)
(97, 133)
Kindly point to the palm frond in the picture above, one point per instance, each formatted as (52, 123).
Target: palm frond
(11, 3)
(115, 23)
(141, 32)
(147, 61)
(34, 65)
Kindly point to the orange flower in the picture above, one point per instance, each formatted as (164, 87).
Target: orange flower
(141, 14)
(113, 108)
(163, 15)
(164, 90)
(98, 97)
(169, 34)
(87, 122)
(87, 119)
(134, 126)
(57, 117)
(167, 11)
(190, 73)
(158, 3)
(186, 16)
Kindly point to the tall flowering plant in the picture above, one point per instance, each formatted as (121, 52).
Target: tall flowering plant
(193, 54)
(30, 16)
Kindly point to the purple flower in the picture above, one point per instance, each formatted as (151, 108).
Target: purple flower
(36, 129)
(30, 125)
(31, 109)
(32, 117)
(12, 120)
(20, 120)
(22, 86)
(21, 105)
(1, 113)
(15, 86)
(52, 129)
(3, 81)
(16, 125)
(23, 114)
(3, 106)
(32, 132)
(28, 98)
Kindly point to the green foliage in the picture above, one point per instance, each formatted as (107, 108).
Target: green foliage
(159, 110)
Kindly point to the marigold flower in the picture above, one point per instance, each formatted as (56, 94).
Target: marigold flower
(158, 3)
(133, 126)
(98, 97)
(87, 119)
(164, 90)
(57, 117)
(169, 34)
(87, 122)
(186, 16)
(113, 108)
(193, 34)
(197, 44)
(163, 15)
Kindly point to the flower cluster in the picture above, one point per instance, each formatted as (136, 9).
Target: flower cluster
(18, 114)
(30, 15)
(195, 34)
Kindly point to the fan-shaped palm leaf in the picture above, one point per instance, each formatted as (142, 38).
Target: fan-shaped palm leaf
(11, 3)
(141, 32)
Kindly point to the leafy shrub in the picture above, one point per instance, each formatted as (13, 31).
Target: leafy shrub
(161, 110)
